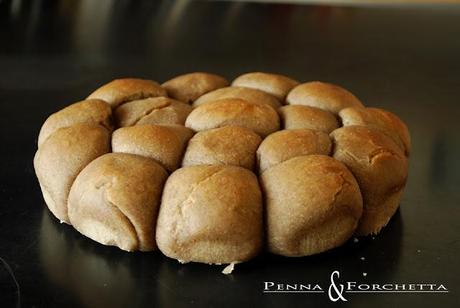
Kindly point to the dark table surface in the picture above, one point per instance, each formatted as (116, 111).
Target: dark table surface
(407, 60)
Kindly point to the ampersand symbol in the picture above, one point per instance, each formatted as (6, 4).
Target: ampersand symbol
(338, 292)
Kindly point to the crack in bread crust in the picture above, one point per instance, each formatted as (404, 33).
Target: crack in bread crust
(107, 126)
(136, 96)
(381, 152)
(104, 185)
(148, 112)
(180, 208)
(343, 182)
(352, 156)
(127, 220)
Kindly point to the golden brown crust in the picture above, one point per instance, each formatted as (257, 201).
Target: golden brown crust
(210, 214)
(229, 145)
(260, 118)
(62, 156)
(120, 91)
(164, 144)
(157, 110)
(274, 84)
(91, 111)
(188, 87)
(115, 201)
(250, 95)
(322, 95)
(380, 168)
(299, 117)
(286, 144)
(313, 204)
(381, 119)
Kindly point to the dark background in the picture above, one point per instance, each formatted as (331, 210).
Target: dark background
(405, 59)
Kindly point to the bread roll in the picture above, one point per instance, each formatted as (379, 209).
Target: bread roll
(157, 110)
(115, 199)
(313, 204)
(380, 168)
(120, 91)
(210, 214)
(286, 144)
(322, 95)
(229, 145)
(91, 111)
(188, 87)
(260, 118)
(274, 84)
(164, 144)
(299, 117)
(381, 119)
(250, 95)
(62, 156)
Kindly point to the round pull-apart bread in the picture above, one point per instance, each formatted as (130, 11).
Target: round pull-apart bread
(214, 173)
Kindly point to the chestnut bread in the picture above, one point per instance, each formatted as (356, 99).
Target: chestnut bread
(387, 122)
(91, 111)
(228, 145)
(286, 144)
(313, 203)
(214, 173)
(60, 159)
(261, 118)
(380, 167)
(298, 117)
(115, 200)
(211, 214)
(163, 143)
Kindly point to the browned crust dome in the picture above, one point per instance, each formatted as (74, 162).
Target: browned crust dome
(115, 199)
(299, 117)
(62, 156)
(188, 87)
(228, 145)
(211, 214)
(286, 144)
(323, 95)
(313, 204)
(380, 168)
(91, 111)
(383, 120)
(274, 84)
(120, 91)
(253, 96)
(261, 118)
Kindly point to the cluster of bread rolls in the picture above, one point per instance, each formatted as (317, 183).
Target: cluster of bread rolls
(213, 172)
